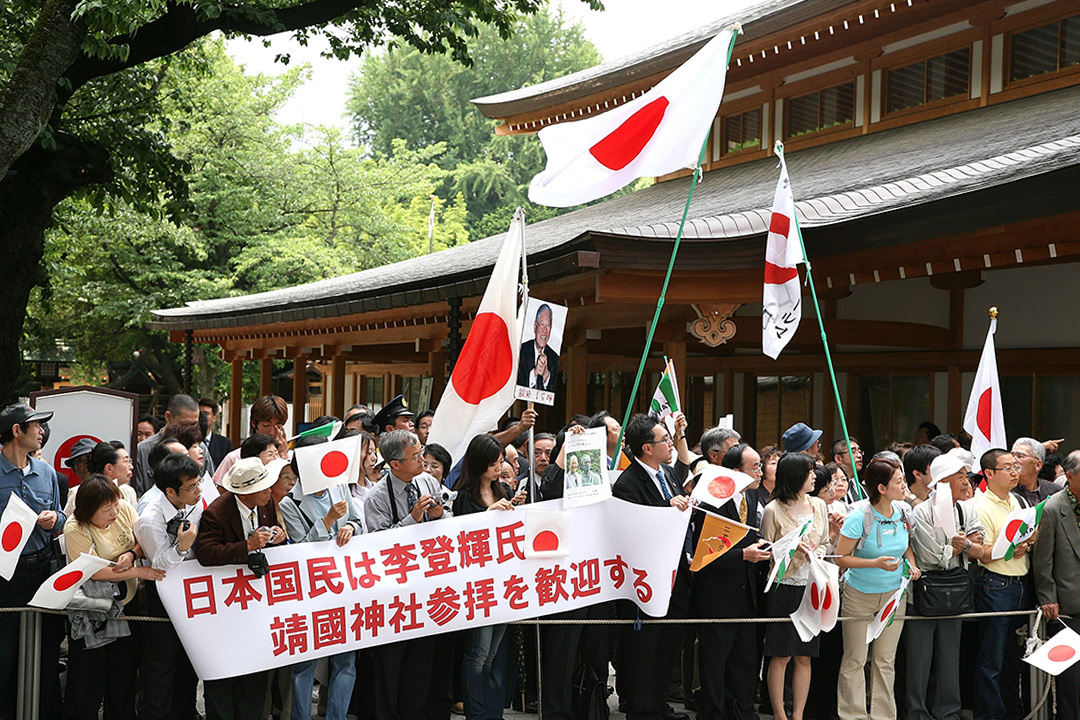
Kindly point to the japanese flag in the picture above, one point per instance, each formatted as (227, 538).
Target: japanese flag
(984, 418)
(56, 592)
(481, 388)
(783, 552)
(821, 600)
(328, 464)
(658, 133)
(884, 616)
(943, 509)
(547, 534)
(717, 485)
(1019, 526)
(782, 297)
(1057, 654)
(16, 525)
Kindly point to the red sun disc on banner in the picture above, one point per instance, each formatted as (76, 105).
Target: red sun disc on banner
(545, 541)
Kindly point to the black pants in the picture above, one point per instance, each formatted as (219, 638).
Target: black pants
(236, 698)
(402, 679)
(441, 690)
(18, 592)
(106, 673)
(560, 650)
(729, 660)
(169, 684)
(648, 654)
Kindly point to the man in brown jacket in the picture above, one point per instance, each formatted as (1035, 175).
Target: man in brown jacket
(233, 531)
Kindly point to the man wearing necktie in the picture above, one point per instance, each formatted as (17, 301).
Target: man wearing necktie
(241, 521)
(649, 652)
(728, 588)
(408, 495)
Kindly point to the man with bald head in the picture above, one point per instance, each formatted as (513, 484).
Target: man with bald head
(538, 363)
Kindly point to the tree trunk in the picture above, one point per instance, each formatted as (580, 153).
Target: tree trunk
(33, 186)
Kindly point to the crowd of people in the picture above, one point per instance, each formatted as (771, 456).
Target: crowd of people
(185, 494)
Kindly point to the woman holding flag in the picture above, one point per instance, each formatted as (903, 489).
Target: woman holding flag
(791, 507)
(875, 547)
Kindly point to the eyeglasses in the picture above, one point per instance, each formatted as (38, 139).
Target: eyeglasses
(1020, 454)
(1008, 468)
(661, 441)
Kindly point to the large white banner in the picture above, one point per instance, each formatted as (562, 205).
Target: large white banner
(320, 599)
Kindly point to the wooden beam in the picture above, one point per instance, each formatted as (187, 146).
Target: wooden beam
(884, 333)
(337, 386)
(624, 286)
(436, 370)
(299, 389)
(236, 400)
(266, 377)
(577, 379)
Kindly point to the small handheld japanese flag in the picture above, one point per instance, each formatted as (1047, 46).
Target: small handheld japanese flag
(718, 535)
(885, 615)
(943, 509)
(328, 464)
(56, 592)
(821, 600)
(658, 133)
(782, 299)
(16, 525)
(783, 551)
(716, 485)
(984, 419)
(1057, 654)
(1019, 526)
(547, 534)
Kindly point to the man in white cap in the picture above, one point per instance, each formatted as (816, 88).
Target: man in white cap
(937, 642)
(238, 524)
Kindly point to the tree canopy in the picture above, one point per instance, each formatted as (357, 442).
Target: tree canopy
(80, 91)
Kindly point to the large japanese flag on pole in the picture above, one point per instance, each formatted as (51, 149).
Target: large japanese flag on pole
(481, 388)
(984, 419)
(782, 302)
(660, 132)
(15, 528)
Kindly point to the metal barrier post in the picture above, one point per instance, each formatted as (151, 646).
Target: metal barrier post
(26, 702)
(1038, 680)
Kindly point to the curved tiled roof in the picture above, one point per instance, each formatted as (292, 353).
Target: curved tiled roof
(838, 182)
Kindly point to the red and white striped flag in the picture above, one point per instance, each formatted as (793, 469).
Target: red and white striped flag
(15, 528)
(984, 419)
(782, 301)
(658, 133)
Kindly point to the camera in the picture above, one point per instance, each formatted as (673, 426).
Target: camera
(447, 497)
(258, 564)
(177, 524)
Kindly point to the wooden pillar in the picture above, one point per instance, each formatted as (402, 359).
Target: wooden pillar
(266, 377)
(299, 390)
(388, 388)
(337, 385)
(828, 424)
(361, 389)
(437, 371)
(577, 380)
(236, 400)
(955, 407)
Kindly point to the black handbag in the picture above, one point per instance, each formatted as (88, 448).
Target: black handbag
(941, 593)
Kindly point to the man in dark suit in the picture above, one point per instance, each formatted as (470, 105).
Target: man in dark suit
(218, 445)
(649, 652)
(239, 523)
(728, 588)
(1057, 574)
(538, 363)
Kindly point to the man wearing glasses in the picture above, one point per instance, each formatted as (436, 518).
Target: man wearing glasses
(538, 363)
(649, 652)
(1032, 490)
(1001, 585)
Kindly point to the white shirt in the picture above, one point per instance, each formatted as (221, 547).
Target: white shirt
(249, 517)
(159, 548)
(656, 480)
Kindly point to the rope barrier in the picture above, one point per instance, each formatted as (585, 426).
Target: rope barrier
(622, 621)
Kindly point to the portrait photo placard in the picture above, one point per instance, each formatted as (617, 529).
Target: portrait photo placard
(541, 343)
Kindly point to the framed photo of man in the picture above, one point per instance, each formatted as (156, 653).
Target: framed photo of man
(541, 343)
